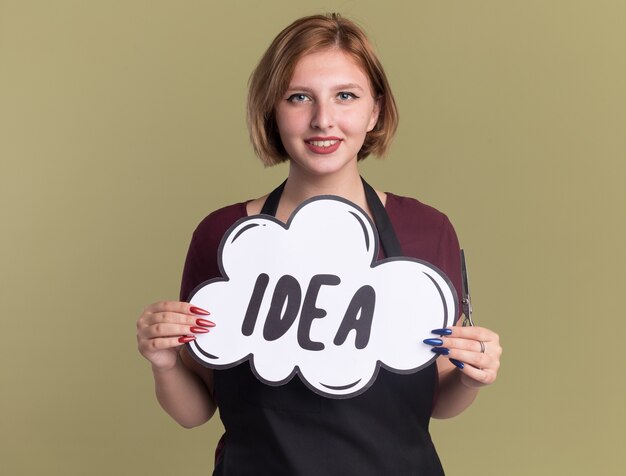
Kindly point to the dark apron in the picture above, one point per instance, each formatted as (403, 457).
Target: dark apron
(290, 430)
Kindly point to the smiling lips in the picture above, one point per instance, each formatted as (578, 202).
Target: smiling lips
(323, 145)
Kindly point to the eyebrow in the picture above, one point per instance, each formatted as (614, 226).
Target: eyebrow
(338, 87)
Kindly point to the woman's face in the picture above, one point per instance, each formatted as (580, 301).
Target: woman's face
(326, 112)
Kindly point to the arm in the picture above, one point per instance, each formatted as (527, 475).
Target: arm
(184, 393)
(183, 388)
(463, 367)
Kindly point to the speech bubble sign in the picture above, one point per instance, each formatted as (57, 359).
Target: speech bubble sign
(309, 298)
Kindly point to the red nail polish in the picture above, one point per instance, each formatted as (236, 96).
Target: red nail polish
(199, 330)
(185, 339)
(199, 311)
(205, 323)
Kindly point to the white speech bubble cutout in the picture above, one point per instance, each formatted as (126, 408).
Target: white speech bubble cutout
(309, 298)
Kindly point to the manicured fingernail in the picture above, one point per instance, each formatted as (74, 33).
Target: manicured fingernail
(205, 323)
(199, 330)
(442, 332)
(199, 311)
(458, 363)
(433, 341)
(441, 350)
(185, 339)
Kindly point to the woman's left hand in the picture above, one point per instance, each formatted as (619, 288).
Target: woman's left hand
(475, 351)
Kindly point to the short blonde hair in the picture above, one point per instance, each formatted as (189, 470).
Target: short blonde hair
(271, 78)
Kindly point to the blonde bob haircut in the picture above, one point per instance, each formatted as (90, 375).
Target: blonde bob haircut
(270, 80)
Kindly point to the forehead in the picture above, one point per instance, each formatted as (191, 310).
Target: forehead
(329, 67)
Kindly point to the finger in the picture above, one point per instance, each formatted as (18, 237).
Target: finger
(155, 345)
(179, 307)
(461, 344)
(176, 318)
(158, 312)
(475, 359)
(474, 377)
(170, 330)
(152, 319)
(492, 348)
(475, 333)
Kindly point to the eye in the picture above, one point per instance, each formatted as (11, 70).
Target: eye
(346, 96)
(298, 97)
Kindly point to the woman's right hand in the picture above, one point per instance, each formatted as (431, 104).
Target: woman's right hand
(166, 325)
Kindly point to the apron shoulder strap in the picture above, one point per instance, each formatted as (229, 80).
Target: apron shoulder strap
(271, 202)
(388, 239)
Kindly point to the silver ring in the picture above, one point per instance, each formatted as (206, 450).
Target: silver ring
(482, 346)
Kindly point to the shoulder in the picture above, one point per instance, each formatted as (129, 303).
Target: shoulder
(201, 263)
(254, 207)
(220, 219)
(411, 212)
(424, 233)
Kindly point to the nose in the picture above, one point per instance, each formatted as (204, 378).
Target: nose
(323, 117)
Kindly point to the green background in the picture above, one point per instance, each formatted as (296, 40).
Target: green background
(122, 125)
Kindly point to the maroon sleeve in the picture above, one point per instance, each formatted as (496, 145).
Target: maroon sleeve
(201, 263)
(449, 258)
(426, 234)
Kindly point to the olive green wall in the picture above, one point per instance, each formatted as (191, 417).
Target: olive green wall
(122, 125)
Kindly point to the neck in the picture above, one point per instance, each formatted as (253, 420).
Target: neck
(301, 187)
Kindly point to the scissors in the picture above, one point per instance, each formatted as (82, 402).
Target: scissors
(467, 302)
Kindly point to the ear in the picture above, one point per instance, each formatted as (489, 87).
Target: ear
(374, 116)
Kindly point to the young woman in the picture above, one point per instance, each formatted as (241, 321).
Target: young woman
(320, 100)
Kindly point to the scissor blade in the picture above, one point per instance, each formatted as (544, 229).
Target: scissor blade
(467, 302)
(464, 275)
